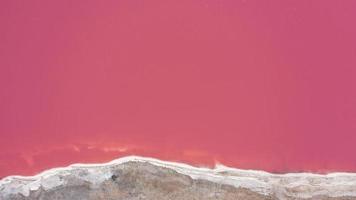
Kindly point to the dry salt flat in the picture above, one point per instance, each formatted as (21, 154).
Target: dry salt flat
(135, 177)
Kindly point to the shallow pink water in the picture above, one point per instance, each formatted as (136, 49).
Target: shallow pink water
(251, 84)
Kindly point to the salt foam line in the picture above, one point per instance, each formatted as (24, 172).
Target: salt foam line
(333, 184)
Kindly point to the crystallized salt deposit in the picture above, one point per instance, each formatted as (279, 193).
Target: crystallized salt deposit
(296, 185)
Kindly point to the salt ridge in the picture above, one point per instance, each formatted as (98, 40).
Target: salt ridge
(296, 185)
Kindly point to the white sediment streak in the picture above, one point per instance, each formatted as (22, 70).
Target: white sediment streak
(293, 185)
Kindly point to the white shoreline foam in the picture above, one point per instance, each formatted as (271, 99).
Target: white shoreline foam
(297, 185)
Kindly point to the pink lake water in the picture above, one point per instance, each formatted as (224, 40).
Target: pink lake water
(265, 85)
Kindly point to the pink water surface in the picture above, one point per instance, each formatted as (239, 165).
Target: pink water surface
(252, 84)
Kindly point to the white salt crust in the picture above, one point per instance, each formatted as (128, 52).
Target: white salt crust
(291, 185)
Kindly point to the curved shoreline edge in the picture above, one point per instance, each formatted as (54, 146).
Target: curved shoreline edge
(296, 185)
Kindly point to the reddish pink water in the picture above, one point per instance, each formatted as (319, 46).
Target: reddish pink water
(253, 84)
